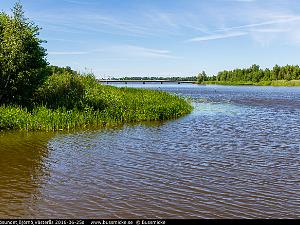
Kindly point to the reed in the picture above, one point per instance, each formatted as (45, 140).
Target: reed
(58, 107)
(285, 83)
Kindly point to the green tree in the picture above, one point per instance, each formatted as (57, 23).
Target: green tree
(22, 58)
(275, 72)
(60, 70)
(201, 77)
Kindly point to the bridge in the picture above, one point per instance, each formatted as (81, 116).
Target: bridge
(145, 81)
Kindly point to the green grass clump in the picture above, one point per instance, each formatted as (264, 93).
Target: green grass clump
(227, 83)
(285, 83)
(288, 83)
(68, 101)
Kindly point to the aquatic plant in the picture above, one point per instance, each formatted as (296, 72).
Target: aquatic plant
(90, 104)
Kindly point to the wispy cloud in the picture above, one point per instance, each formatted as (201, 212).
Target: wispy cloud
(64, 40)
(92, 23)
(68, 52)
(201, 25)
(140, 51)
(270, 30)
(263, 26)
(284, 19)
(283, 29)
(122, 51)
(150, 22)
(217, 36)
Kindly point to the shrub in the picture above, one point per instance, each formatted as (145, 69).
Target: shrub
(22, 58)
(61, 91)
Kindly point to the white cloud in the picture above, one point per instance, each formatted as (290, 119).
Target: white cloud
(121, 52)
(282, 20)
(269, 30)
(262, 21)
(139, 51)
(217, 36)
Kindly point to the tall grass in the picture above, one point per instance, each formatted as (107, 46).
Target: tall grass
(59, 107)
(285, 83)
(289, 83)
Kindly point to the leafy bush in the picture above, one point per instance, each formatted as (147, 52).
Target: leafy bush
(61, 90)
(66, 90)
(22, 58)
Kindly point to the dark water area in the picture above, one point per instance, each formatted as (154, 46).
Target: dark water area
(237, 155)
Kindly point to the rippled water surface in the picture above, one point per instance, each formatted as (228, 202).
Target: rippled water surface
(236, 156)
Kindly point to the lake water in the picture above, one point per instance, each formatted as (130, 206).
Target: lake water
(236, 156)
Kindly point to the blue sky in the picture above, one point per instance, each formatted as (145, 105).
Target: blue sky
(166, 37)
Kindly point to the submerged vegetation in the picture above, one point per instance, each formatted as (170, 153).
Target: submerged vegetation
(278, 76)
(36, 96)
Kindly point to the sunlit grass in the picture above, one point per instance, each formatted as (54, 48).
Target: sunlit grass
(99, 106)
(285, 83)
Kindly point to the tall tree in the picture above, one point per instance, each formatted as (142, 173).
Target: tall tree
(201, 77)
(22, 57)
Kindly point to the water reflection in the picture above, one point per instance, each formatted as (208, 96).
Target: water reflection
(233, 157)
(22, 170)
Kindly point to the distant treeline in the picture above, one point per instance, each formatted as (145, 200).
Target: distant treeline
(288, 75)
(193, 78)
(253, 75)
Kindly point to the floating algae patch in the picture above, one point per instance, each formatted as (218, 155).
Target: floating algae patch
(213, 108)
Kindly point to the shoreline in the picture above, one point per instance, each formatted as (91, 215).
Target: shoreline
(123, 106)
(278, 83)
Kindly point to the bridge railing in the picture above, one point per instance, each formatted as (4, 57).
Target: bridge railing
(145, 81)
